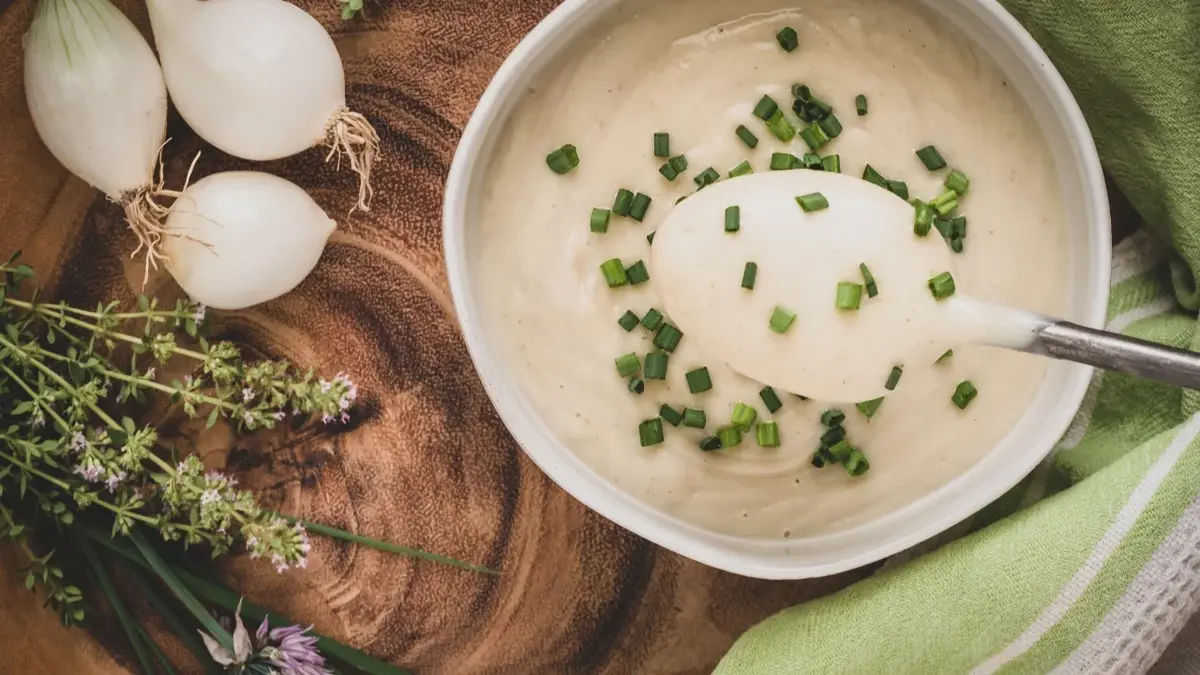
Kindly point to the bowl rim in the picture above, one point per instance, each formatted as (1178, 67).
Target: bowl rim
(622, 508)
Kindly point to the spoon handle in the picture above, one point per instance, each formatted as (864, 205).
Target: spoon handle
(1110, 351)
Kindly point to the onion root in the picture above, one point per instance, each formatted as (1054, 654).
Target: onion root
(350, 134)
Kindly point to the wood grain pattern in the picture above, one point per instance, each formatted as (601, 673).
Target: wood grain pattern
(426, 462)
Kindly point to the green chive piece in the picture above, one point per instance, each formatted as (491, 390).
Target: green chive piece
(922, 218)
(964, 393)
(931, 158)
(770, 399)
(733, 218)
(811, 161)
(869, 408)
(942, 286)
(958, 227)
(944, 227)
(636, 385)
(832, 163)
(765, 108)
(849, 295)
(783, 161)
(698, 380)
(668, 171)
(628, 365)
(641, 203)
(787, 38)
(650, 238)
(872, 176)
(707, 177)
(741, 169)
(949, 354)
(857, 464)
(832, 436)
(782, 320)
(679, 163)
(831, 125)
(622, 202)
(662, 144)
(892, 381)
(802, 397)
(614, 273)
(958, 182)
(956, 244)
(650, 432)
(767, 434)
(748, 136)
(653, 320)
(749, 275)
(628, 321)
(820, 459)
(599, 221)
(781, 127)
(945, 202)
(710, 444)
(670, 415)
(812, 202)
(860, 104)
(563, 160)
(814, 136)
(898, 188)
(667, 338)
(841, 451)
(656, 366)
(637, 273)
(801, 92)
(731, 437)
(833, 417)
(743, 416)
(818, 109)
(694, 418)
(868, 280)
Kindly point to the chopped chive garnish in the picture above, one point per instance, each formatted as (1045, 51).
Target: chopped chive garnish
(707, 177)
(656, 366)
(892, 381)
(730, 437)
(650, 238)
(956, 244)
(944, 227)
(813, 161)
(872, 176)
(964, 393)
(922, 218)
(898, 188)
(628, 321)
(942, 286)
(637, 273)
(820, 458)
(860, 104)
(694, 418)
(767, 434)
(814, 136)
(641, 204)
(670, 415)
(945, 202)
(849, 295)
(653, 319)
(698, 380)
(662, 144)
(868, 280)
(801, 92)
(958, 182)
(832, 436)
(787, 38)
(958, 227)
(679, 163)
(668, 171)
(599, 221)
(743, 416)
(749, 275)
(801, 397)
(841, 451)
(680, 200)
(563, 160)
(869, 408)
(820, 108)
(614, 273)
(747, 136)
(833, 417)
(733, 218)
(946, 356)
(931, 158)
(741, 169)
(628, 364)
(770, 399)
(832, 163)
(622, 202)
(710, 444)
(765, 108)
(650, 432)
(857, 464)
(831, 125)
(636, 385)
(782, 320)
(667, 338)
(781, 127)
(812, 202)
(783, 161)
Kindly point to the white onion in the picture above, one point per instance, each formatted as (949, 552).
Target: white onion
(97, 98)
(261, 80)
(244, 237)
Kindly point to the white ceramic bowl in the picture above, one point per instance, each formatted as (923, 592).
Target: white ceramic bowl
(1029, 70)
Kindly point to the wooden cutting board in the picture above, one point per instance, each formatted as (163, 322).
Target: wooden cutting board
(426, 462)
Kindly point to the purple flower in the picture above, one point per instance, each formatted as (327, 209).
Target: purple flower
(114, 480)
(78, 442)
(297, 652)
(198, 316)
(247, 395)
(90, 473)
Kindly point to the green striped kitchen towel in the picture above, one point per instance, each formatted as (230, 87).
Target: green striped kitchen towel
(1092, 564)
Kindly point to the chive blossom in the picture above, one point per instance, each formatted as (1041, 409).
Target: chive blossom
(964, 393)
(662, 144)
(868, 280)
(849, 295)
(563, 160)
(743, 416)
(599, 220)
(747, 136)
(770, 399)
(767, 434)
(650, 432)
(614, 273)
(787, 38)
(637, 273)
(749, 275)
(812, 202)
(782, 320)
(628, 364)
(641, 203)
(942, 286)
(931, 158)
(670, 415)
(892, 381)
(656, 366)
(628, 321)
(694, 418)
